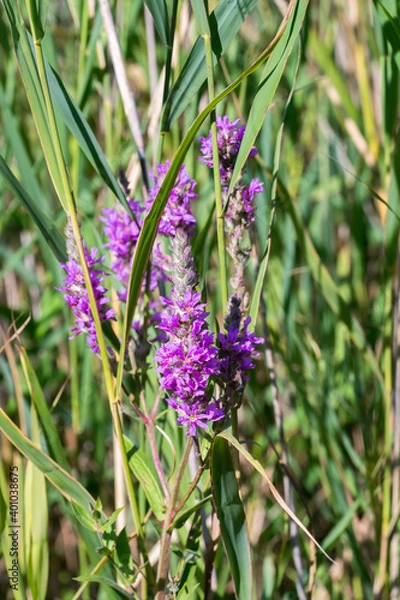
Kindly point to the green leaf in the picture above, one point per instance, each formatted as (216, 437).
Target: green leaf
(341, 526)
(79, 128)
(225, 22)
(69, 487)
(231, 517)
(201, 16)
(184, 516)
(269, 81)
(188, 592)
(38, 400)
(123, 557)
(327, 285)
(12, 133)
(36, 522)
(143, 470)
(50, 233)
(84, 517)
(159, 12)
(390, 18)
(106, 581)
(328, 66)
(112, 519)
(27, 64)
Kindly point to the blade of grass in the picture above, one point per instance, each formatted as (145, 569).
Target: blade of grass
(67, 485)
(159, 12)
(50, 233)
(269, 81)
(225, 22)
(145, 474)
(231, 516)
(79, 128)
(30, 76)
(36, 522)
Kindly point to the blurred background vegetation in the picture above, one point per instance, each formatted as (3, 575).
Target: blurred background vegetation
(331, 291)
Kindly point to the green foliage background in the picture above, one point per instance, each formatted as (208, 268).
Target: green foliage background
(323, 280)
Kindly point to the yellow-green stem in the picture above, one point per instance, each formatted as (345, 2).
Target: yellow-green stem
(74, 146)
(94, 571)
(387, 373)
(131, 493)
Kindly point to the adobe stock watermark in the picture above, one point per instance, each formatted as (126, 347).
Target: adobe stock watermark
(14, 527)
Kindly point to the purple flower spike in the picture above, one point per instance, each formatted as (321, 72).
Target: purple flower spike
(188, 360)
(240, 204)
(177, 213)
(77, 295)
(123, 232)
(229, 136)
(237, 350)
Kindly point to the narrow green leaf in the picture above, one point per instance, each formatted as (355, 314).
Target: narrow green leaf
(327, 285)
(269, 81)
(143, 470)
(390, 18)
(392, 228)
(84, 517)
(262, 268)
(159, 12)
(50, 233)
(12, 133)
(112, 519)
(231, 517)
(108, 582)
(341, 525)
(69, 487)
(79, 128)
(36, 522)
(201, 16)
(225, 22)
(186, 593)
(181, 519)
(326, 63)
(27, 64)
(50, 431)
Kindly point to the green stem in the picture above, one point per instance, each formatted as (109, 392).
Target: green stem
(163, 564)
(168, 70)
(75, 150)
(386, 504)
(217, 178)
(131, 494)
(94, 571)
(168, 60)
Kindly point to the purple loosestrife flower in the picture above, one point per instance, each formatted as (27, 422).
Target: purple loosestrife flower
(77, 295)
(229, 136)
(123, 230)
(240, 204)
(188, 360)
(177, 213)
(236, 352)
